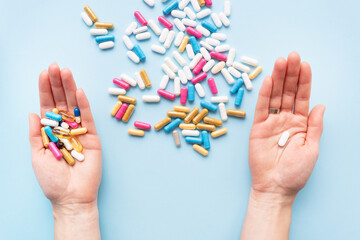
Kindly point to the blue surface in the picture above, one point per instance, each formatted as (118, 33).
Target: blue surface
(163, 192)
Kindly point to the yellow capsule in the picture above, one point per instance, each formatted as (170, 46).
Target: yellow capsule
(183, 44)
(128, 113)
(67, 156)
(105, 25)
(55, 110)
(219, 132)
(256, 72)
(162, 123)
(204, 126)
(189, 126)
(116, 108)
(67, 116)
(127, 99)
(213, 121)
(200, 150)
(136, 132)
(175, 114)
(200, 116)
(145, 78)
(61, 133)
(201, 3)
(90, 13)
(44, 137)
(191, 115)
(76, 144)
(181, 109)
(78, 131)
(236, 113)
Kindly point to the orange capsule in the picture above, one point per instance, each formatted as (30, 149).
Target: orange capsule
(200, 116)
(67, 116)
(191, 115)
(76, 144)
(176, 114)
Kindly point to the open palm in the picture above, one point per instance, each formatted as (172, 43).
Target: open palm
(285, 170)
(61, 183)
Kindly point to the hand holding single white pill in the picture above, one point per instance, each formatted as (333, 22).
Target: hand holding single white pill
(72, 190)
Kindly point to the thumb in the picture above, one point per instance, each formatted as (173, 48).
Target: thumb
(35, 132)
(315, 124)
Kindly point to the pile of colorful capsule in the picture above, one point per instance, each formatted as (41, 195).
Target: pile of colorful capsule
(59, 134)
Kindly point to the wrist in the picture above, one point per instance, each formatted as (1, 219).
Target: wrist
(271, 199)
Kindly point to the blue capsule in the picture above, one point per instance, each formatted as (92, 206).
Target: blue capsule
(209, 26)
(139, 52)
(77, 112)
(206, 139)
(171, 6)
(209, 105)
(191, 92)
(194, 140)
(105, 38)
(236, 86)
(52, 137)
(172, 125)
(239, 96)
(53, 116)
(195, 45)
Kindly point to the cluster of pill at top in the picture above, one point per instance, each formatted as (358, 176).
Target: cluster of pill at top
(59, 134)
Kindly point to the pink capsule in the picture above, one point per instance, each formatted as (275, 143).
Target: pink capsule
(199, 66)
(54, 149)
(142, 125)
(212, 86)
(218, 56)
(72, 124)
(208, 3)
(166, 94)
(121, 83)
(194, 32)
(183, 95)
(199, 78)
(140, 18)
(121, 111)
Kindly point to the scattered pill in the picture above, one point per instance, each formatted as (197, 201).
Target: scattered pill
(236, 113)
(229, 79)
(184, 44)
(173, 124)
(142, 125)
(127, 99)
(203, 30)
(176, 138)
(200, 150)
(151, 98)
(215, 17)
(284, 138)
(140, 30)
(164, 81)
(130, 29)
(218, 67)
(171, 6)
(158, 49)
(200, 116)
(219, 132)
(234, 72)
(116, 108)
(183, 4)
(239, 97)
(191, 92)
(86, 19)
(247, 81)
(56, 152)
(190, 13)
(178, 14)
(133, 57)
(90, 13)
(44, 137)
(105, 25)
(200, 90)
(136, 132)
(106, 45)
(166, 94)
(250, 61)
(190, 51)
(204, 13)
(169, 39)
(241, 67)
(178, 23)
(224, 19)
(208, 65)
(174, 114)
(150, 3)
(128, 42)
(195, 5)
(212, 86)
(208, 105)
(185, 126)
(179, 58)
(140, 18)
(162, 123)
(178, 39)
(209, 26)
(255, 73)
(154, 27)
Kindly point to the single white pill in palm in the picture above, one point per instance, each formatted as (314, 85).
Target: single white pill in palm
(283, 139)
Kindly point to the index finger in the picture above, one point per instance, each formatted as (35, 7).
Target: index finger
(46, 97)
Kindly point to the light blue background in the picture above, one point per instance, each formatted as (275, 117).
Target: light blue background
(150, 189)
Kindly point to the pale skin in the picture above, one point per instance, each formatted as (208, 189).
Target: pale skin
(72, 190)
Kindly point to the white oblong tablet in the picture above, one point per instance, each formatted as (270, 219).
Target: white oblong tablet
(206, 45)
(66, 143)
(213, 42)
(183, 4)
(86, 19)
(208, 65)
(247, 81)
(179, 58)
(200, 90)
(188, 72)
(133, 57)
(215, 17)
(190, 51)
(222, 110)
(219, 36)
(222, 48)
(177, 86)
(284, 138)
(128, 42)
(234, 72)
(163, 35)
(178, 39)
(130, 29)
(195, 61)
(117, 91)
(182, 76)
(205, 54)
(250, 61)
(171, 65)
(190, 13)
(230, 80)
(98, 31)
(227, 8)
(139, 80)
(150, 3)
(178, 23)
(168, 71)
(203, 30)
(195, 5)
(188, 22)
(140, 30)
(224, 19)
(143, 36)
(158, 49)
(154, 27)
(78, 156)
(151, 98)
(204, 13)
(49, 122)
(241, 67)
(220, 99)
(169, 39)
(106, 45)
(190, 133)
(164, 81)
(128, 79)
(178, 14)
(231, 57)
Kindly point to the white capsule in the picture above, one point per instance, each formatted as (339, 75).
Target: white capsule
(203, 30)
(139, 80)
(284, 138)
(241, 67)
(178, 39)
(117, 91)
(205, 54)
(178, 14)
(250, 61)
(78, 156)
(231, 57)
(65, 125)
(154, 27)
(218, 67)
(66, 143)
(195, 5)
(86, 19)
(208, 65)
(227, 8)
(150, 3)
(195, 61)
(188, 72)
(151, 98)
(130, 29)
(224, 19)
(183, 4)
(106, 45)
(143, 36)
(204, 13)
(215, 17)
(222, 110)
(169, 39)
(200, 90)
(247, 81)
(190, 13)
(220, 99)
(179, 58)
(190, 133)
(182, 76)
(133, 57)
(178, 23)
(206, 45)
(171, 65)
(49, 122)
(177, 86)
(163, 35)
(168, 71)
(222, 48)
(128, 79)
(188, 22)
(234, 72)
(230, 80)
(158, 49)
(164, 81)
(190, 51)
(140, 30)
(128, 42)
(213, 42)
(98, 31)
(219, 36)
